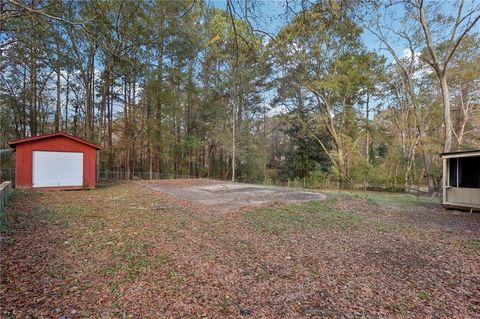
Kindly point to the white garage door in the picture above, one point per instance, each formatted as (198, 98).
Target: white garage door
(52, 169)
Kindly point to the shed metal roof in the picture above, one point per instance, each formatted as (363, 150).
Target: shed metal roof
(41, 137)
(460, 153)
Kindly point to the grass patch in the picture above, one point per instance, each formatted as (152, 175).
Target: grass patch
(224, 305)
(46, 213)
(4, 225)
(133, 259)
(24, 209)
(423, 294)
(378, 198)
(472, 245)
(276, 220)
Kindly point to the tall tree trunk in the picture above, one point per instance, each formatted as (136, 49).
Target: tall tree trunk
(58, 102)
(67, 101)
(110, 129)
(126, 126)
(447, 146)
(427, 159)
(465, 116)
(367, 129)
(90, 94)
(104, 101)
(159, 114)
(24, 102)
(75, 119)
(33, 81)
(234, 124)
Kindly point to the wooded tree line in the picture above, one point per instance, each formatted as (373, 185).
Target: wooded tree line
(186, 88)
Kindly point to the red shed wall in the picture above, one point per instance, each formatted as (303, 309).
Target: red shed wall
(24, 153)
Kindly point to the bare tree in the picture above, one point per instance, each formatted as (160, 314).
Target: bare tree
(439, 57)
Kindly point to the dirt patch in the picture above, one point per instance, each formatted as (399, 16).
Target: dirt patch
(227, 196)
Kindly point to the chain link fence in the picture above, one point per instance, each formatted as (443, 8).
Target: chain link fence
(132, 175)
(297, 183)
(8, 174)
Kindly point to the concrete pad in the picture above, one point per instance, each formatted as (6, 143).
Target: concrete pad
(230, 195)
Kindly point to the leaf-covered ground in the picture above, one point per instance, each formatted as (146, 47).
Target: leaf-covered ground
(123, 251)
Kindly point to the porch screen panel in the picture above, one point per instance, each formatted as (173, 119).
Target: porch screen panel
(468, 172)
(453, 172)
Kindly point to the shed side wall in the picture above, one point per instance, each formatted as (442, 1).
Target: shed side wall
(463, 196)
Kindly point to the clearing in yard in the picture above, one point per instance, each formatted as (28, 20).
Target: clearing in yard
(227, 195)
(125, 250)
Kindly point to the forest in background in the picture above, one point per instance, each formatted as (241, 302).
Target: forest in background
(186, 88)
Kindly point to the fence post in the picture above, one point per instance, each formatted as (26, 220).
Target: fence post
(5, 191)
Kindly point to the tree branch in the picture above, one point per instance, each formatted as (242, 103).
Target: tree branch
(39, 12)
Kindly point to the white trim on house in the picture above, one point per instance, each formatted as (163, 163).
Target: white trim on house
(458, 154)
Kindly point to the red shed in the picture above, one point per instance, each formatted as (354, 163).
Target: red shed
(57, 160)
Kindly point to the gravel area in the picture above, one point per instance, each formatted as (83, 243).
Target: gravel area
(227, 195)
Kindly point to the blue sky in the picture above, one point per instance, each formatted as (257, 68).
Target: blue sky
(274, 17)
